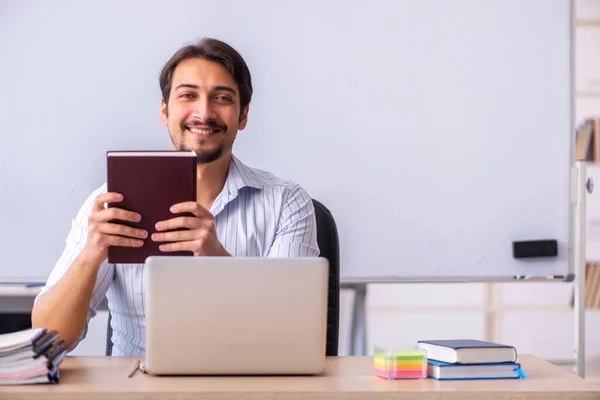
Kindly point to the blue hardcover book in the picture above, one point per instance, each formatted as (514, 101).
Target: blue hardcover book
(468, 351)
(446, 371)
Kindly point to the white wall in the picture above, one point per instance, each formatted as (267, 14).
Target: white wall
(535, 317)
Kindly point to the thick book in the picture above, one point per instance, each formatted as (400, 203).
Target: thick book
(468, 351)
(446, 371)
(150, 182)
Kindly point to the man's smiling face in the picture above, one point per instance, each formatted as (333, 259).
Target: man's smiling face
(203, 110)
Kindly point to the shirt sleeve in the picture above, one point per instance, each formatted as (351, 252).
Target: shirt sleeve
(297, 229)
(75, 242)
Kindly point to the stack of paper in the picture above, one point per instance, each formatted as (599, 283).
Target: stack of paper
(400, 364)
(30, 356)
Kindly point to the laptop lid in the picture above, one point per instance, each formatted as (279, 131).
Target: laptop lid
(231, 315)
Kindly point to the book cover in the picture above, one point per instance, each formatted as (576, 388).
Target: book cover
(150, 182)
(447, 371)
(468, 351)
(465, 343)
(583, 142)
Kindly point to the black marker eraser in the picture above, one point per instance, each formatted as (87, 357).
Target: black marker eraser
(535, 248)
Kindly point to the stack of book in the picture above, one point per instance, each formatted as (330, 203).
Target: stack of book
(30, 356)
(470, 359)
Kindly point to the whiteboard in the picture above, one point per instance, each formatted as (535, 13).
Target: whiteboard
(437, 132)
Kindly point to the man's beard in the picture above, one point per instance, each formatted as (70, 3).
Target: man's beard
(202, 157)
(206, 157)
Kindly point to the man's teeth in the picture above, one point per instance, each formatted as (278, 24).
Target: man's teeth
(202, 131)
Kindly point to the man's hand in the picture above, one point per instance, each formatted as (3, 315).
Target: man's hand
(102, 233)
(201, 236)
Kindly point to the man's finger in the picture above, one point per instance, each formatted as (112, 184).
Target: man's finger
(178, 246)
(110, 197)
(123, 242)
(179, 222)
(176, 236)
(192, 207)
(112, 213)
(122, 230)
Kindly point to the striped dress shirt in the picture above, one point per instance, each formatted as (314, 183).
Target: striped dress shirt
(256, 215)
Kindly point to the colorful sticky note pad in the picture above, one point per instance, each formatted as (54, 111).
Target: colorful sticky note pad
(400, 364)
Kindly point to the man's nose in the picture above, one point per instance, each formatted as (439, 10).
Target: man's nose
(203, 109)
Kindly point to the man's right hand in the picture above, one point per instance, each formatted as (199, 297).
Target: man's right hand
(102, 233)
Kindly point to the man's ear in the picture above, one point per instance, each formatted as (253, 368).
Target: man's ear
(164, 113)
(244, 118)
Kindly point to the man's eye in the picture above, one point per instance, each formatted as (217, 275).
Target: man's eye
(186, 95)
(224, 98)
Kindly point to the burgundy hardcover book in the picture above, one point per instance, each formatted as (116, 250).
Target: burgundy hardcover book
(150, 182)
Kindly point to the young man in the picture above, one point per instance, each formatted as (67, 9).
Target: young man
(240, 211)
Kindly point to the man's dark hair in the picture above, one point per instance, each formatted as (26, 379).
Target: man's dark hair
(212, 50)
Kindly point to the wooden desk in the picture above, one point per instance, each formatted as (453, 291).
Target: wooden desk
(104, 378)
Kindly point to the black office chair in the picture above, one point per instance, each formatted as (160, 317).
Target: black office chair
(327, 238)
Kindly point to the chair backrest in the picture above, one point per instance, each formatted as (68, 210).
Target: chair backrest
(327, 238)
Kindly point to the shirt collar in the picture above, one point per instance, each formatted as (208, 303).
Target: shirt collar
(239, 177)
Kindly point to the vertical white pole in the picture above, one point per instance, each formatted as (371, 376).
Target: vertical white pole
(579, 266)
(358, 327)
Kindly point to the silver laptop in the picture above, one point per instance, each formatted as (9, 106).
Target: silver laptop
(235, 316)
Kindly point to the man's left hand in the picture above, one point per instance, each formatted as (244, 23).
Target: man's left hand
(200, 237)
